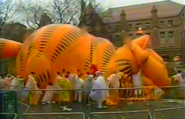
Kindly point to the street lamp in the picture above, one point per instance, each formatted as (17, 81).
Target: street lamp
(140, 31)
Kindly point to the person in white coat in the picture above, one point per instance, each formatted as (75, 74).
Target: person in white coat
(114, 82)
(79, 83)
(57, 87)
(99, 95)
(88, 84)
(180, 79)
(13, 83)
(48, 96)
(137, 83)
(31, 84)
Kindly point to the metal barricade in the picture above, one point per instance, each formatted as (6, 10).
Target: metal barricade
(72, 109)
(8, 115)
(145, 101)
(8, 101)
(144, 114)
(54, 115)
(169, 113)
(129, 101)
(174, 92)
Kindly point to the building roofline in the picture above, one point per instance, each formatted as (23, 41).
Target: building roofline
(182, 10)
(140, 4)
(147, 3)
(144, 19)
(104, 15)
(175, 2)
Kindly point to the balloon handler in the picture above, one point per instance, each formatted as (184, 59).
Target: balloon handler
(98, 94)
(64, 96)
(34, 96)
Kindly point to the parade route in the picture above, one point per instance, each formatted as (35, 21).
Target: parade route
(51, 111)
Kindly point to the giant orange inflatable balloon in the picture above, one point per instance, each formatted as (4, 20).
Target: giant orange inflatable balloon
(65, 48)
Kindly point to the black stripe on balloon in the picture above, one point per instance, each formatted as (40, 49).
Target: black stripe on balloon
(65, 42)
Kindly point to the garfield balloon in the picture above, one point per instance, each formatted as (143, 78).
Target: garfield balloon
(66, 48)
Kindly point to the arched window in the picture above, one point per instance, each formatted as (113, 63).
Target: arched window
(177, 58)
(166, 58)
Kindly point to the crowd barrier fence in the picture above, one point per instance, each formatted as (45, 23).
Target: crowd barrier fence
(88, 110)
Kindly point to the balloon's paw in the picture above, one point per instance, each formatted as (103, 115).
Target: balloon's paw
(110, 103)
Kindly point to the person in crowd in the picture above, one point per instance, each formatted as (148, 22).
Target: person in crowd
(57, 87)
(177, 80)
(114, 82)
(79, 86)
(13, 83)
(64, 96)
(8, 80)
(99, 92)
(48, 94)
(180, 79)
(67, 75)
(88, 87)
(137, 83)
(31, 84)
(19, 84)
(72, 78)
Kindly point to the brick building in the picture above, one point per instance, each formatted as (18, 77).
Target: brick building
(164, 21)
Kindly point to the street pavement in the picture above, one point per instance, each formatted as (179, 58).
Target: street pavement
(111, 112)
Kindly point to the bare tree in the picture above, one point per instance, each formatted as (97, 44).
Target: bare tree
(64, 11)
(32, 13)
(60, 11)
(8, 10)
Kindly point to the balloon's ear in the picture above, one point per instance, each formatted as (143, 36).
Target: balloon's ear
(142, 41)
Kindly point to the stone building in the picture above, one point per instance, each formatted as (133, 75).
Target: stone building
(164, 21)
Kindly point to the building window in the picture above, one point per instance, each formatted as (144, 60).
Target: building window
(147, 25)
(116, 26)
(130, 25)
(161, 22)
(170, 34)
(162, 42)
(170, 22)
(162, 34)
(138, 24)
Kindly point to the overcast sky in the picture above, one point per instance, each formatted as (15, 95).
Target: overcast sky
(117, 3)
